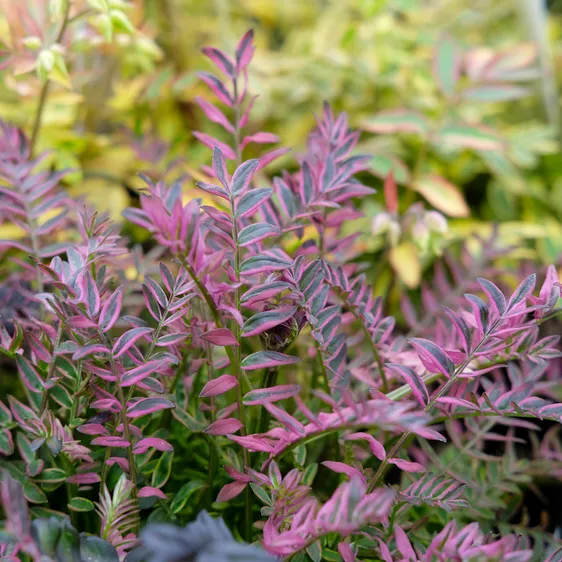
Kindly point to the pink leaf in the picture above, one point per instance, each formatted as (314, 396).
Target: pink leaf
(222, 61)
(111, 309)
(230, 491)
(345, 552)
(92, 429)
(224, 427)
(403, 544)
(408, 466)
(218, 386)
(111, 441)
(150, 492)
(146, 406)
(214, 114)
(263, 321)
(151, 442)
(245, 51)
(342, 468)
(212, 142)
(376, 446)
(128, 339)
(84, 478)
(271, 394)
(217, 87)
(260, 138)
(220, 337)
(136, 375)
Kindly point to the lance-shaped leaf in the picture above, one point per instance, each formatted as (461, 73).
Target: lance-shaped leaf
(217, 87)
(434, 359)
(151, 443)
(214, 114)
(396, 121)
(525, 288)
(151, 492)
(29, 375)
(463, 331)
(218, 386)
(222, 61)
(266, 359)
(496, 297)
(219, 167)
(146, 406)
(111, 309)
(376, 447)
(220, 336)
(419, 390)
(243, 176)
(264, 264)
(264, 292)
(224, 427)
(90, 294)
(447, 65)
(443, 195)
(136, 375)
(84, 478)
(245, 50)
(466, 136)
(213, 189)
(255, 232)
(128, 339)
(184, 493)
(91, 349)
(251, 201)
(213, 143)
(111, 441)
(480, 311)
(266, 320)
(271, 394)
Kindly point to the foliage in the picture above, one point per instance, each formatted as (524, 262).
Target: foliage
(241, 362)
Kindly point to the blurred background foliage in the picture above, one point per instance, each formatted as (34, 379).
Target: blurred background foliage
(459, 98)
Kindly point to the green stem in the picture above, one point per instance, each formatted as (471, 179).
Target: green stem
(45, 89)
(376, 356)
(444, 389)
(269, 379)
(51, 367)
(323, 369)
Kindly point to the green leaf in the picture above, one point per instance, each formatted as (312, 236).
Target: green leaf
(51, 476)
(299, 454)
(396, 121)
(466, 136)
(315, 551)
(310, 474)
(494, 93)
(81, 505)
(194, 425)
(95, 549)
(29, 375)
(33, 493)
(184, 493)
(163, 469)
(447, 65)
(381, 165)
(443, 195)
(261, 494)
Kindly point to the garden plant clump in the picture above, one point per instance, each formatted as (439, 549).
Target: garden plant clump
(235, 390)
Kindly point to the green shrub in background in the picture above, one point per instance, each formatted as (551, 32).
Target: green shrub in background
(452, 97)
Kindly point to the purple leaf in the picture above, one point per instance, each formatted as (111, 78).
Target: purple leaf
(214, 114)
(255, 232)
(219, 167)
(151, 492)
(111, 441)
(263, 264)
(111, 309)
(218, 386)
(220, 337)
(243, 176)
(84, 478)
(376, 446)
(230, 491)
(433, 357)
(29, 375)
(266, 359)
(266, 320)
(221, 60)
(526, 287)
(480, 311)
(146, 406)
(407, 466)
(415, 382)
(496, 297)
(217, 87)
(271, 394)
(264, 292)
(224, 427)
(251, 201)
(213, 143)
(92, 349)
(151, 442)
(90, 294)
(245, 50)
(128, 339)
(136, 375)
(171, 339)
(213, 189)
